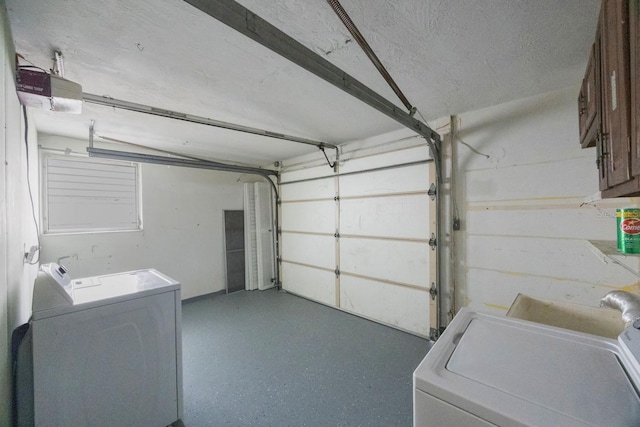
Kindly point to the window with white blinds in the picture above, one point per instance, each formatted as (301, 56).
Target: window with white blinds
(82, 194)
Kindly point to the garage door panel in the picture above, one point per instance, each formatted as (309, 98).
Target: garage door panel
(397, 216)
(408, 179)
(319, 189)
(309, 249)
(317, 217)
(408, 155)
(396, 261)
(306, 173)
(312, 283)
(398, 306)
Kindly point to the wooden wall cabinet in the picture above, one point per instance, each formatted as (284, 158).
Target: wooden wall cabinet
(608, 117)
(634, 38)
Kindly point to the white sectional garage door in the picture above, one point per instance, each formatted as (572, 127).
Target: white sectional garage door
(308, 242)
(359, 240)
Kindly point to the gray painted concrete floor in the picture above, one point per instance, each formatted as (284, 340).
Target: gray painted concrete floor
(268, 358)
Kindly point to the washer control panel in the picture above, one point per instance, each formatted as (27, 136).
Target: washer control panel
(52, 288)
(629, 340)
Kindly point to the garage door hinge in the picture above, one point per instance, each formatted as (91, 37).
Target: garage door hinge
(432, 191)
(337, 271)
(433, 242)
(279, 260)
(433, 291)
(336, 234)
(433, 334)
(279, 230)
(336, 198)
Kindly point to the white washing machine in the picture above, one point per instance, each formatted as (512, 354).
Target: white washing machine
(106, 350)
(499, 371)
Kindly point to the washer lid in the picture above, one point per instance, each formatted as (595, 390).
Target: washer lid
(509, 371)
(90, 292)
(90, 289)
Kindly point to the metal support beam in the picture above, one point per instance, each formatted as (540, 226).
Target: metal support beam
(140, 108)
(246, 22)
(172, 161)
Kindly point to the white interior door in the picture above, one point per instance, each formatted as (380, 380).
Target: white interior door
(259, 250)
(250, 245)
(264, 235)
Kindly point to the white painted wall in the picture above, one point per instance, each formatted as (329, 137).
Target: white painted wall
(17, 229)
(182, 221)
(525, 224)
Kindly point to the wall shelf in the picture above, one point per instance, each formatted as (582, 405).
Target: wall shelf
(607, 251)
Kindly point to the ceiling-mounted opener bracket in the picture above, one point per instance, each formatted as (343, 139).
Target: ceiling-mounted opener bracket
(91, 133)
(331, 165)
(58, 63)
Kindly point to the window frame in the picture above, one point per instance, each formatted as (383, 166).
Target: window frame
(45, 220)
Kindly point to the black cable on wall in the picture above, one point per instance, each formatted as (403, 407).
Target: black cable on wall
(33, 208)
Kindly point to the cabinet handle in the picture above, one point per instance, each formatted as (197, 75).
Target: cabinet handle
(601, 147)
(581, 107)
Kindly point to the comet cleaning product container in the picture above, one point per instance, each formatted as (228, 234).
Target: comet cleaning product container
(628, 230)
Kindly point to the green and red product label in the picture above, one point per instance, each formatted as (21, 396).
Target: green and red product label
(628, 230)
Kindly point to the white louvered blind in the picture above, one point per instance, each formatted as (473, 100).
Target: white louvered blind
(258, 234)
(250, 245)
(87, 195)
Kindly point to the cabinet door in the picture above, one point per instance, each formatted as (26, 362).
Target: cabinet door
(589, 101)
(634, 47)
(616, 105)
(582, 109)
(597, 127)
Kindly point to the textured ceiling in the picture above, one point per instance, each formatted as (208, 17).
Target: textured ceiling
(448, 57)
